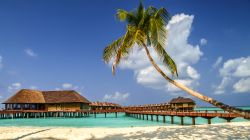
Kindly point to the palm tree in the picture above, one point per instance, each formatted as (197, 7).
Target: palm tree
(147, 27)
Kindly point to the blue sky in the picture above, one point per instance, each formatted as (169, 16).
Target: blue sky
(51, 45)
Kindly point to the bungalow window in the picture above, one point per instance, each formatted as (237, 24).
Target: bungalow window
(33, 106)
(14, 106)
(9, 106)
(18, 106)
(26, 106)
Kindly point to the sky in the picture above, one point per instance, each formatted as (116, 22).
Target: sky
(58, 45)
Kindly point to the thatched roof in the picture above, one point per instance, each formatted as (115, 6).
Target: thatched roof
(106, 104)
(64, 96)
(149, 105)
(36, 96)
(181, 100)
(27, 96)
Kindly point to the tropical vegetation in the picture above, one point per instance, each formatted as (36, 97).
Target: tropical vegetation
(147, 28)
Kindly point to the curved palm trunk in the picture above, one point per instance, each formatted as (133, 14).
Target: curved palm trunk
(196, 94)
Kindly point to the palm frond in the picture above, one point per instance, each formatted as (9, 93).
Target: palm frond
(163, 14)
(158, 22)
(140, 37)
(166, 59)
(111, 50)
(158, 37)
(140, 12)
(144, 26)
(124, 48)
(124, 15)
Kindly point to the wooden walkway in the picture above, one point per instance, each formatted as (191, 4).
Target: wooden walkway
(139, 114)
(10, 114)
(144, 115)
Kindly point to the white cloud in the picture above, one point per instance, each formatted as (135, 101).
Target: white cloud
(30, 52)
(238, 71)
(14, 87)
(220, 89)
(217, 62)
(192, 73)
(34, 87)
(117, 97)
(243, 85)
(183, 53)
(1, 62)
(203, 42)
(57, 88)
(67, 86)
(239, 67)
(172, 88)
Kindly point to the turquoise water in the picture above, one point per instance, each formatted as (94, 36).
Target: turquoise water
(99, 121)
(211, 109)
(110, 121)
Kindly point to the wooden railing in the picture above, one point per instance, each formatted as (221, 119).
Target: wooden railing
(45, 111)
(149, 112)
(188, 114)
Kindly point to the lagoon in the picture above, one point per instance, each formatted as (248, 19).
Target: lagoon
(111, 121)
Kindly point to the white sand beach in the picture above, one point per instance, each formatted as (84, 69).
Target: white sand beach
(236, 130)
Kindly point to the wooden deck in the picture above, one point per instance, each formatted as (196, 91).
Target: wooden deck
(10, 114)
(144, 115)
(139, 114)
(45, 111)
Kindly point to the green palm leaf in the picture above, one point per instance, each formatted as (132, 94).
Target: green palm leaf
(166, 59)
(111, 50)
(144, 27)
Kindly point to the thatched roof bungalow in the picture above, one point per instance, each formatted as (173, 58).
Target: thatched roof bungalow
(150, 107)
(104, 105)
(182, 104)
(27, 99)
(178, 104)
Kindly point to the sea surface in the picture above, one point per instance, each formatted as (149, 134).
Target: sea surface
(111, 121)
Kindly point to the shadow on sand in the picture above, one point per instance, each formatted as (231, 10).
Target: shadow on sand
(29, 134)
(46, 138)
(207, 132)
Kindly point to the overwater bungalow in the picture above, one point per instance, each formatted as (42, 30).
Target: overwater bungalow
(64, 100)
(176, 104)
(182, 104)
(104, 106)
(150, 107)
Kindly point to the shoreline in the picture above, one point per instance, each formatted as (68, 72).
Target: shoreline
(233, 130)
(172, 125)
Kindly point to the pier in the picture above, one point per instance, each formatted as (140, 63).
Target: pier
(139, 114)
(193, 114)
(28, 103)
(11, 114)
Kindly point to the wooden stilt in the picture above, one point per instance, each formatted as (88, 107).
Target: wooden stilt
(209, 120)
(172, 119)
(164, 119)
(182, 120)
(193, 120)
